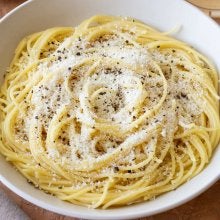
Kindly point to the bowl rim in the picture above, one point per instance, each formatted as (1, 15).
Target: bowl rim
(142, 213)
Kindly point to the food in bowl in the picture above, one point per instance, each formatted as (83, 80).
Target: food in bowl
(109, 113)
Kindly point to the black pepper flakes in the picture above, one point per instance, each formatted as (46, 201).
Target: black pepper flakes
(183, 95)
(119, 72)
(102, 93)
(116, 169)
(178, 96)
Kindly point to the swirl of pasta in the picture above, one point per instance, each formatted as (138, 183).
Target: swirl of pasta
(108, 113)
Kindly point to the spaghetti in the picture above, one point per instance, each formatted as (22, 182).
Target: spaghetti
(109, 113)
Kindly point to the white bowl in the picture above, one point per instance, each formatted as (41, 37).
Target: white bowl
(197, 29)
